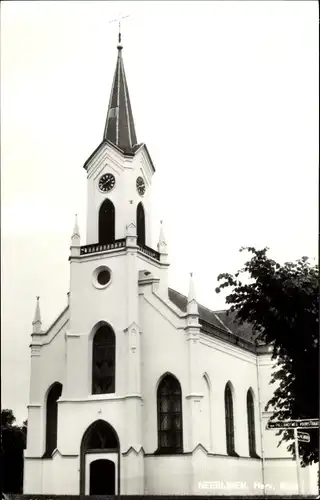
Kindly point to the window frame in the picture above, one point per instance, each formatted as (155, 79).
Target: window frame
(251, 425)
(229, 421)
(174, 435)
(101, 353)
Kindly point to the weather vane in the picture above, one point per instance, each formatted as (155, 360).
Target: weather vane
(118, 20)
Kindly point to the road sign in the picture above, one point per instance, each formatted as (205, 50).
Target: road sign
(312, 423)
(304, 436)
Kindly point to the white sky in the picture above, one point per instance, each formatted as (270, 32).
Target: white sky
(224, 94)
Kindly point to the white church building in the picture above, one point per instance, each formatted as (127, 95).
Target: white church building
(135, 388)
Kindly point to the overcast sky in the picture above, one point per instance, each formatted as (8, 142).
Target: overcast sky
(224, 94)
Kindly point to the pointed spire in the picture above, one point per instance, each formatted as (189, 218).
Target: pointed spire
(192, 307)
(76, 231)
(162, 244)
(37, 318)
(75, 238)
(119, 128)
(192, 292)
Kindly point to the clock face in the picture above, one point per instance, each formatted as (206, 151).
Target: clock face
(141, 187)
(106, 182)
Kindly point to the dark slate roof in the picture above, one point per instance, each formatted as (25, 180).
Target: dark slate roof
(119, 129)
(204, 314)
(218, 323)
(243, 330)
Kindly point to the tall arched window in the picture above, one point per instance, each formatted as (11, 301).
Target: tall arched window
(52, 418)
(251, 429)
(169, 406)
(141, 226)
(228, 404)
(104, 361)
(106, 222)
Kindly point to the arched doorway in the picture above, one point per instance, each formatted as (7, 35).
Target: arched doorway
(141, 226)
(102, 477)
(99, 460)
(106, 222)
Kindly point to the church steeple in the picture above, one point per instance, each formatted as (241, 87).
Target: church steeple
(119, 129)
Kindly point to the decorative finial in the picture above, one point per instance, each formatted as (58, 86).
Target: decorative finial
(76, 232)
(37, 318)
(162, 244)
(192, 294)
(119, 47)
(192, 307)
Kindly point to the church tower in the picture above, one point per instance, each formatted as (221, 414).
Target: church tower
(119, 173)
(104, 326)
(95, 402)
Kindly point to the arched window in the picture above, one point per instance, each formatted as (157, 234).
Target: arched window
(141, 226)
(169, 405)
(106, 222)
(104, 361)
(52, 418)
(228, 404)
(251, 429)
(100, 436)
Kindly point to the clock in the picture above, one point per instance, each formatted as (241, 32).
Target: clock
(106, 182)
(141, 187)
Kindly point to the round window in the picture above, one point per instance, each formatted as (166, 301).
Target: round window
(103, 277)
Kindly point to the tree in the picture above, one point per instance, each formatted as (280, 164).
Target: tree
(13, 442)
(281, 302)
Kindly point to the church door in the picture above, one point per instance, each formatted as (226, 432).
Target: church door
(102, 477)
(99, 460)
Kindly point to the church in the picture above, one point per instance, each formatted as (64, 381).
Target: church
(135, 388)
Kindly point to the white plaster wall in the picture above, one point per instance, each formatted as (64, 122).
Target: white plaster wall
(223, 363)
(60, 475)
(170, 475)
(206, 414)
(214, 475)
(46, 369)
(133, 474)
(32, 476)
(90, 305)
(110, 409)
(163, 349)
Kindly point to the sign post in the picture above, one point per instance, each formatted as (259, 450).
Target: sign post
(312, 423)
(296, 446)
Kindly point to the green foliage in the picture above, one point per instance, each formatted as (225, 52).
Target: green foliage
(7, 418)
(281, 302)
(13, 442)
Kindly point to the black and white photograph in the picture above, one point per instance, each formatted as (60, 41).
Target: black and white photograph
(159, 249)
